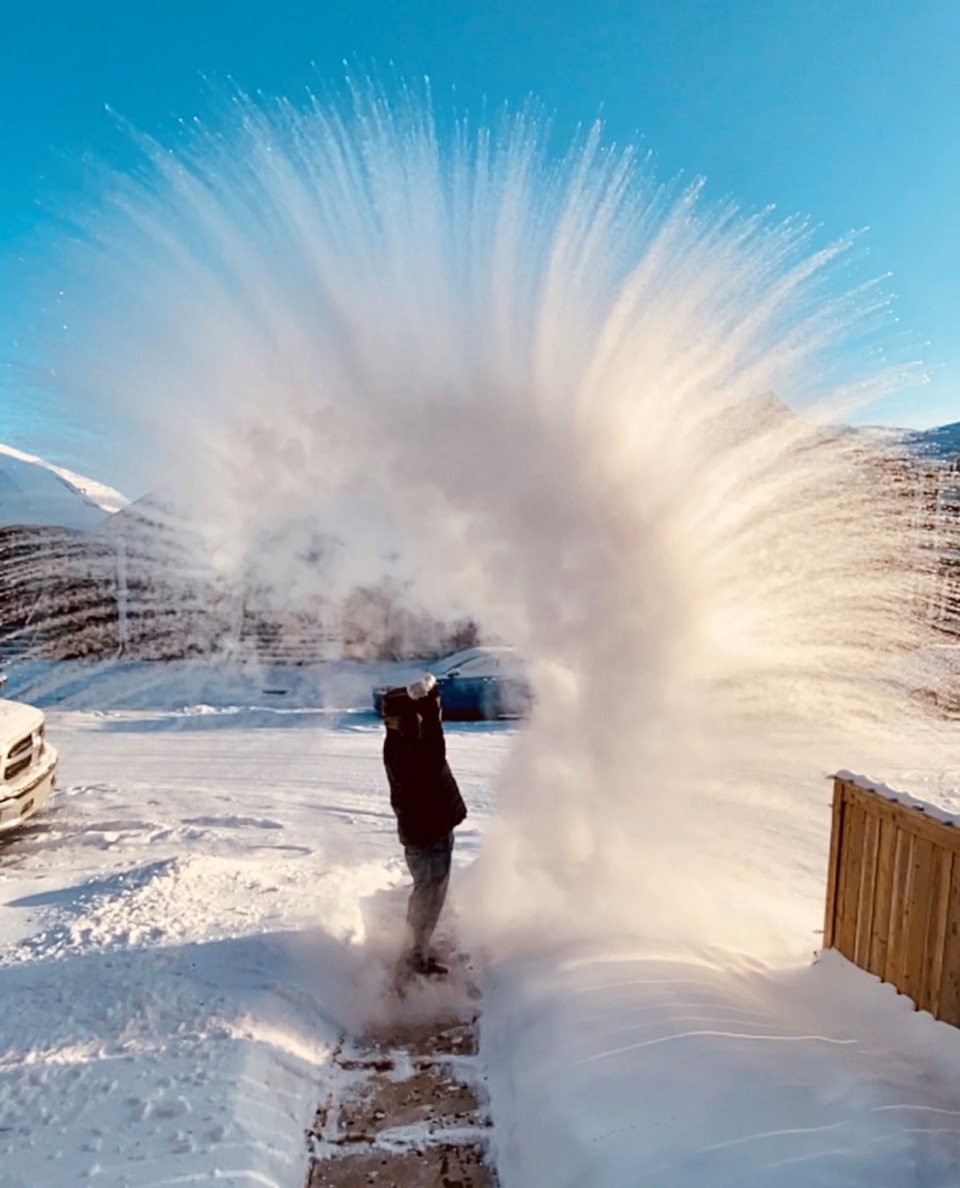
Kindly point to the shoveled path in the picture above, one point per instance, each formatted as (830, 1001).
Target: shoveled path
(406, 1111)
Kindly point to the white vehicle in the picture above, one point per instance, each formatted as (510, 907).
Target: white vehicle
(28, 763)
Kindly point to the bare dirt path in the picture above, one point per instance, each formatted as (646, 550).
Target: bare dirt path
(407, 1110)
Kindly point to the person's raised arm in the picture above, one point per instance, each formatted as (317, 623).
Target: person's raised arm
(432, 742)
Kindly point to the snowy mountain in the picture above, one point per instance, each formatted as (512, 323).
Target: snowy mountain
(940, 444)
(35, 493)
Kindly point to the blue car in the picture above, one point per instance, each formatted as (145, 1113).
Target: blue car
(478, 684)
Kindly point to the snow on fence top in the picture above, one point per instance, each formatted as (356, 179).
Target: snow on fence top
(904, 798)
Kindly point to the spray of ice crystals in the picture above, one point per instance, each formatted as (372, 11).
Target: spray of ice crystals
(569, 387)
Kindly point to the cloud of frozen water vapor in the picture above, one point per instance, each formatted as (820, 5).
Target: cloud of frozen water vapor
(560, 384)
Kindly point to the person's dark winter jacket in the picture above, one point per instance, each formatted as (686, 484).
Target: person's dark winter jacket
(423, 793)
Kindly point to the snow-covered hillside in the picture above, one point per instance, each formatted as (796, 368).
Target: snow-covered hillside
(215, 896)
(941, 443)
(36, 493)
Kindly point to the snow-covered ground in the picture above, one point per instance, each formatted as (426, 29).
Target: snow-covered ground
(213, 899)
(187, 932)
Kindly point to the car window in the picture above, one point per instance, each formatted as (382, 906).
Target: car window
(502, 665)
(481, 662)
(480, 666)
(457, 660)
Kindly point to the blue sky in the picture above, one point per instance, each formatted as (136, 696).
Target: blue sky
(844, 110)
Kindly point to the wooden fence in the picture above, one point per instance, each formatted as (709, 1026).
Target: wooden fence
(893, 895)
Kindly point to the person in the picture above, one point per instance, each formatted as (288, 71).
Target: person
(428, 807)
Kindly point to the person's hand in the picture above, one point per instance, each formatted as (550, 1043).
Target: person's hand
(426, 685)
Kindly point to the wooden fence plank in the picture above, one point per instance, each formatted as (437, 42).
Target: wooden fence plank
(950, 978)
(833, 865)
(854, 820)
(882, 896)
(929, 995)
(868, 880)
(902, 857)
(917, 910)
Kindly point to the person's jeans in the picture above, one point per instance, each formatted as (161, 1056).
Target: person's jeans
(430, 867)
